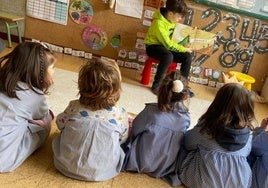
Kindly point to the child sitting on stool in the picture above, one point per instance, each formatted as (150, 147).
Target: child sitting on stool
(159, 44)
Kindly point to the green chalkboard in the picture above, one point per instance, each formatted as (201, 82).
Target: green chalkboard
(253, 8)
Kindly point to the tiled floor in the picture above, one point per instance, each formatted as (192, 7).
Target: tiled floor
(38, 170)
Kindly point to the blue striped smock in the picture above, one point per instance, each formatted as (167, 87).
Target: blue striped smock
(208, 165)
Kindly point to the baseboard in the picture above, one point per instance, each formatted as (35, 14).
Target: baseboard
(14, 38)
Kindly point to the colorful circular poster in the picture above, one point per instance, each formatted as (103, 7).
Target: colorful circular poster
(81, 12)
(94, 37)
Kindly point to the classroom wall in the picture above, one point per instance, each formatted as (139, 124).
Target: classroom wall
(243, 46)
(16, 7)
(227, 56)
(71, 34)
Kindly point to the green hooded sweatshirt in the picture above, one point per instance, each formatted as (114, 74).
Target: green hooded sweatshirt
(160, 32)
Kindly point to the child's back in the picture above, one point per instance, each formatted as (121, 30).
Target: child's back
(216, 149)
(92, 127)
(157, 134)
(25, 75)
(88, 147)
(259, 156)
(209, 165)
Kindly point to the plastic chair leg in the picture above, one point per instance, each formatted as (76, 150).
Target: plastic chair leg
(8, 34)
(172, 67)
(19, 32)
(8, 28)
(146, 73)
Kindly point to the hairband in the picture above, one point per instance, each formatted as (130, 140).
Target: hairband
(45, 45)
(177, 86)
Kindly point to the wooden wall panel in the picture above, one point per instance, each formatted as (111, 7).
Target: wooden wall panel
(71, 34)
(127, 27)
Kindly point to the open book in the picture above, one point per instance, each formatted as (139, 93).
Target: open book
(200, 41)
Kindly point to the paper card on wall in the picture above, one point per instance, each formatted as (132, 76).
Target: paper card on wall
(142, 58)
(140, 44)
(132, 8)
(147, 22)
(132, 55)
(141, 35)
(154, 3)
(148, 14)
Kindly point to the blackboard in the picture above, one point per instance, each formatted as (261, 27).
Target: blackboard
(253, 8)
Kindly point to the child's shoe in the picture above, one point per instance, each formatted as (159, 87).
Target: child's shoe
(191, 94)
(155, 90)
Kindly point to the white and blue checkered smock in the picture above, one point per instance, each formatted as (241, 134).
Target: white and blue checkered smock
(208, 165)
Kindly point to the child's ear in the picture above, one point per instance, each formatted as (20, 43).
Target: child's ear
(169, 14)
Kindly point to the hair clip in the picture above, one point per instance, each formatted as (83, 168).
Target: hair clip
(177, 86)
(45, 45)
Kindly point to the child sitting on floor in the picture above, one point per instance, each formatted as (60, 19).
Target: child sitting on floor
(93, 127)
(259, 155)
(158, 130)
(26, 73)
(216, 149)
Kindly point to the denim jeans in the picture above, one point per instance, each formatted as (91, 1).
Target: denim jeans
(165, 58)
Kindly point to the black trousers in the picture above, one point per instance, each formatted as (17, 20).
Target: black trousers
(165, 58)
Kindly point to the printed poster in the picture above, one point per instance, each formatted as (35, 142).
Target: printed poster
(49, 10)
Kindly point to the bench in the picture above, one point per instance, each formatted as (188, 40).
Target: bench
(11, 21)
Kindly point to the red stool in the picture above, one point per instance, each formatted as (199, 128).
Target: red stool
(146, 73)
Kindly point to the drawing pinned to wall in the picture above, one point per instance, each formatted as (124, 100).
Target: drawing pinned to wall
(94, 37)
(81, 12)
(132, 8)
(116, 41)
(49, 10)
(154, 3)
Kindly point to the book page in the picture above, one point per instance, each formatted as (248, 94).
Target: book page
(200, 41)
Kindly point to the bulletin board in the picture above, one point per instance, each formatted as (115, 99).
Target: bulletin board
(242, 47)
(70, 35)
